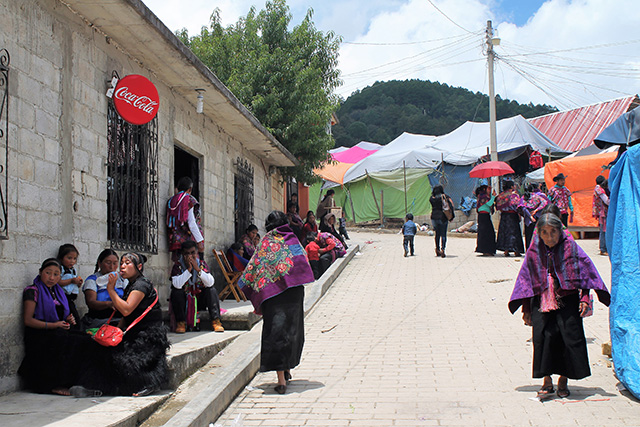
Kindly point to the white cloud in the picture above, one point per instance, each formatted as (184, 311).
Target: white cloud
(569, 78)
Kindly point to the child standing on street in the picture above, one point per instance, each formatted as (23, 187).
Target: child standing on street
(70, 281)
(342, 229)
(409, 230)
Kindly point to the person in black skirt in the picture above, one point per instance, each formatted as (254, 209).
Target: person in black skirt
(274, 283)
(486, 239)
(509, 231)
(553, 288)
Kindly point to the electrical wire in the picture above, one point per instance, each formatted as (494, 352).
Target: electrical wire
(449, 19)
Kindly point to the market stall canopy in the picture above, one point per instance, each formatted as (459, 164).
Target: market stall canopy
(408, 150)
(345, 158)
(576, 129)
(624, 131)
(471, 141)
(581, 172)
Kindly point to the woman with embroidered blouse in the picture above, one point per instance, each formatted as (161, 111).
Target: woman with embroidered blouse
(274, 283)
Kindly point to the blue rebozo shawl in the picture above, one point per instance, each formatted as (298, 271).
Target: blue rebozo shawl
(280, 262)
(574, 270)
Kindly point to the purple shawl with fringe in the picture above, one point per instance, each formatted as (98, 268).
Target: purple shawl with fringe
(574, 270)
(279, 262)
(45, 304)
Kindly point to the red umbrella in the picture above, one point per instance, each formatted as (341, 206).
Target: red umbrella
(489, 169)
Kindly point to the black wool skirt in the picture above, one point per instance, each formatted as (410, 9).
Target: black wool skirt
(282, 330)
(509, 233)
(559, 344)
(486, 239)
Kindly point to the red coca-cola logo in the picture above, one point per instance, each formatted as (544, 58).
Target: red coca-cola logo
(136, 99)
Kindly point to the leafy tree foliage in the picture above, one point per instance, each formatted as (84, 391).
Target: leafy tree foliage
(285, 77)
(380, 113)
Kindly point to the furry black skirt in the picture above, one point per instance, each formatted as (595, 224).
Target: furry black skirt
(282, 330)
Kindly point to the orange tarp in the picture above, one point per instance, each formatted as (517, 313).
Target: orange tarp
(581, 172)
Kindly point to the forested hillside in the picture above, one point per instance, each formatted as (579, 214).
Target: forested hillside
(381, 112)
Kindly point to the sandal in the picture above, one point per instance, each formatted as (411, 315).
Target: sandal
(546, 391)
(563, 392)
(280, 389)
(144, 392)
(287, 376)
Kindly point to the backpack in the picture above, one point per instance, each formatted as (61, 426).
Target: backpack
(447, 207)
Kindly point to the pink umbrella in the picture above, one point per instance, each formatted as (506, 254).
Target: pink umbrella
(489, 169)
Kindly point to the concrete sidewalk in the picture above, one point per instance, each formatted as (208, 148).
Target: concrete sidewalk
(424, 341)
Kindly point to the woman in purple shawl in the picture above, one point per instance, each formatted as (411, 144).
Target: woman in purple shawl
(273, 281)
(48, 365)
(553, 289)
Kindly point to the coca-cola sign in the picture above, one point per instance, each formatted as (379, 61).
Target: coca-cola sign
(136, 99)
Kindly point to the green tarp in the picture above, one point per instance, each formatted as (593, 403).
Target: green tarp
(392, 198)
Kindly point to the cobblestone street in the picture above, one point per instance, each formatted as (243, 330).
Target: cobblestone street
(424, 341)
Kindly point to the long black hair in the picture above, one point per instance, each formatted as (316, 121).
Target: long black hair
(104, 254)
(275, 219)
(437, 190)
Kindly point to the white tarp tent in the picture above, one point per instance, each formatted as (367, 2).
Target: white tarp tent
(471, 141)
(409, 151)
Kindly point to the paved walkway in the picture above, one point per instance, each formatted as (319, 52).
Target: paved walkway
(424, 341)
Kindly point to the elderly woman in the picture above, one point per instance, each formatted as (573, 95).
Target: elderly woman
(273, 281)
(553, 289)
(509, 232)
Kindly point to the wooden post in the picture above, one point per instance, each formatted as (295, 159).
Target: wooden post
(382, 208)
(374, 196)
(404, 170)
(355, 221)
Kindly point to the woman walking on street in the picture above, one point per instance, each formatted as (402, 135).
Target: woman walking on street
(509, 232)
(553, 289)
(486, 239)
(441, 206)
(273, 281)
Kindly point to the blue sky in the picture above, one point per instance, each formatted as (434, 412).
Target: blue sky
(565, 53)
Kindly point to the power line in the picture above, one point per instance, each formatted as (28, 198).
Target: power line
(450, 20)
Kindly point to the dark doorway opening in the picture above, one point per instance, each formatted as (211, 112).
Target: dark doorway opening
(184, 164)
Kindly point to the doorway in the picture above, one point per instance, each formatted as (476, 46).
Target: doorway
(185, 164)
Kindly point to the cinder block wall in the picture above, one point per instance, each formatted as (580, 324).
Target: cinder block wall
(58, 150)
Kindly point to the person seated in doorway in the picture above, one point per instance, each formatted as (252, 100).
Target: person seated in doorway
(190, 278)
(236, 258)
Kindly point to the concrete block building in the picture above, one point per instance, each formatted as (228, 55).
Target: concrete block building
(72, 171)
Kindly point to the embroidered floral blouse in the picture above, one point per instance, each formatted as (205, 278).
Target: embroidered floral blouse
(561, 196)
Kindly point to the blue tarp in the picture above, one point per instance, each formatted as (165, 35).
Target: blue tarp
(623, 243)
(456, 181)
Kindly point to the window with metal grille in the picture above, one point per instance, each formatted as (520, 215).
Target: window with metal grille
(132, 184)
(243, 184)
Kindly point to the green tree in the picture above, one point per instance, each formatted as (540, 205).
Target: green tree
(285, 77)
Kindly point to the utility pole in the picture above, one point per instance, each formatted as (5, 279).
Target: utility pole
(492, 100)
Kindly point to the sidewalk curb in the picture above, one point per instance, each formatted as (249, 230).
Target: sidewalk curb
(230, 381)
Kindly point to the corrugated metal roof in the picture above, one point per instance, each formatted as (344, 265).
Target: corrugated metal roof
(575, 129)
